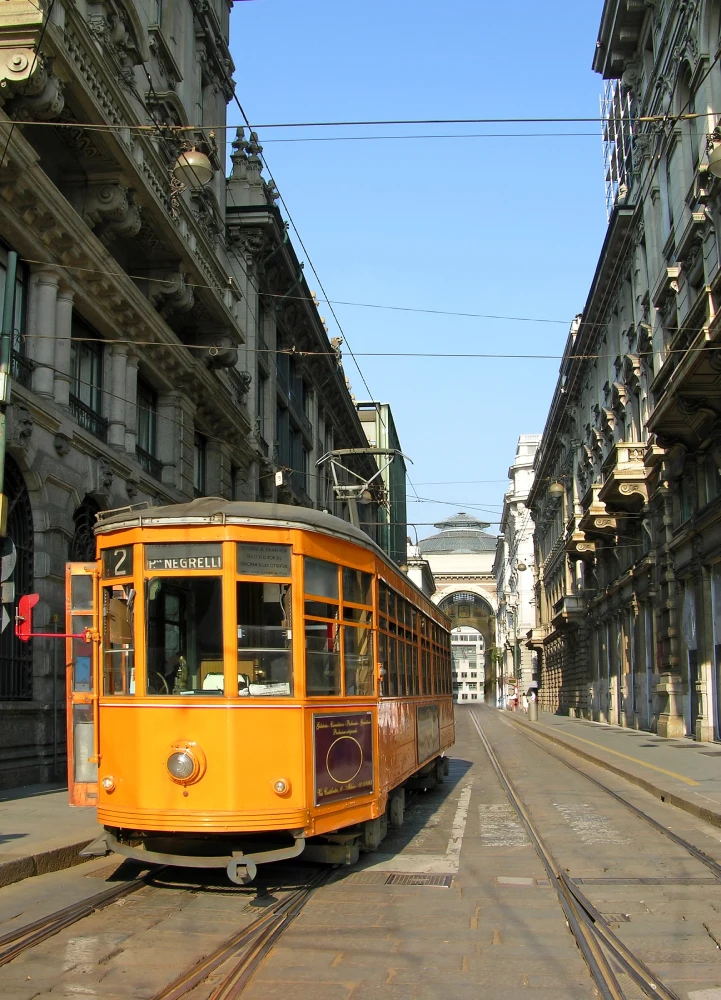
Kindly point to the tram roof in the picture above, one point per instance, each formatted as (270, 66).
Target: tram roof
(216, 510)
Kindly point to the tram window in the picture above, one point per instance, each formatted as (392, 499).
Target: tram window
(118, 643)
(392, 667)
(320, 609)
(414, 672)
(81, 593)
(426, 663)
(357, 586)
(321, 578)
(391, 604)
(322, 659)
(383, 597)
(402, 688)
(358, 657)
(264, 640)
(184, 619)
(383, 663)
(358, 615)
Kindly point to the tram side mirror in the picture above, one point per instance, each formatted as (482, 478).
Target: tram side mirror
(24, 617)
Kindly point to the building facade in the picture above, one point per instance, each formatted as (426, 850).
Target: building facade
(513, 570)
(159, 322)
(627, 495)
(461, 560)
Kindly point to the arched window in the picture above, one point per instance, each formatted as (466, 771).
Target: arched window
(16, 658)
(82, 546)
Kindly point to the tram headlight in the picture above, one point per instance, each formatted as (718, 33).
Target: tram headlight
(108, 783)
(281, 786)
(181, 765)
(186, 762)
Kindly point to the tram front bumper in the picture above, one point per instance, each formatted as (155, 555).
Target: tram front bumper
(241, 867)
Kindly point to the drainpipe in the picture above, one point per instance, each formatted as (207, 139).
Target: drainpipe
(5, 357)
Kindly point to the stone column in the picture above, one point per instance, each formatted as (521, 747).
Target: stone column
(46, 293)
(63, 344)
(116, 409)
(131, 402)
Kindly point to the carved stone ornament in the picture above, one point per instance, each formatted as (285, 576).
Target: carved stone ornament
(172, 294)
(673, 463)
(38, 94)
(219, 350)
(62, 444)
(110, 209)
(20, 426)
(105, 476)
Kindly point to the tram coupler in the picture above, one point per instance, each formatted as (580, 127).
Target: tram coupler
(241, 870)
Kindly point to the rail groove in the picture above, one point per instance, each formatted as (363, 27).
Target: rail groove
(592, 932)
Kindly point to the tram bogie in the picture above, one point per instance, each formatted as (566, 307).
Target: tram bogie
(261, 683)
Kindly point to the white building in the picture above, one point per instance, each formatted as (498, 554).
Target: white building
(461, 559)
(513, 569)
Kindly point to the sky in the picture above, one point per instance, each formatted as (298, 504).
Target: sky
(506, 226)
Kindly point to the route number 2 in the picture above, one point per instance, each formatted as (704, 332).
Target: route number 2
(118, 562)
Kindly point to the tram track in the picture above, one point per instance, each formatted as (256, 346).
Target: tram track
(244, 951)
(714, 866)
(15, 942)
(605, 954)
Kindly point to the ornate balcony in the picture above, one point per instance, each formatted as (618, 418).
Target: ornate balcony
(149, 463)
(625, 477)
(568, 611)
(596, 520)
(89, 419)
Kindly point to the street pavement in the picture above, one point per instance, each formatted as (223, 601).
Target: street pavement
(491, 927)
(40, 832)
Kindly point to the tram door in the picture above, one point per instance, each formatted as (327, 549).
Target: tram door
(81, 585)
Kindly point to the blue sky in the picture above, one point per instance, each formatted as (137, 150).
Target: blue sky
(507, 226)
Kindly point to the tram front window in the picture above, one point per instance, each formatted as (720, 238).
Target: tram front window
(184, 635)
(265, 635)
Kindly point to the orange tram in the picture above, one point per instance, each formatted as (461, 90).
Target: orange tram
(247, 683)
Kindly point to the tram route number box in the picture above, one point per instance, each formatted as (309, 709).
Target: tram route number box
(343, 756)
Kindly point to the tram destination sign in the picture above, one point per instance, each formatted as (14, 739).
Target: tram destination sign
(343, 753)
(263, 559)
(184, 556)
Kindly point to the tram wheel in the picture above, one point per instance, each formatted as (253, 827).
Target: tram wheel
(396, 807)
(439, 771)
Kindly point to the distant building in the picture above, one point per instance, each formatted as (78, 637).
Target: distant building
(419, 571)
(380, 429)
(461, 558)
(513, 569)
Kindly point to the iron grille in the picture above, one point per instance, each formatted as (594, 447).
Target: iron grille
(89, 419)
(149, 463)
(21, 369)
(16, 658)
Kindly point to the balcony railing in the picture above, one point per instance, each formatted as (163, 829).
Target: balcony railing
(148, 463)
(89, 419)
(21, 369)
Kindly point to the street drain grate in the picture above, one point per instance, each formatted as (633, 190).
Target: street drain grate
(403, 878)
(398, 878)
